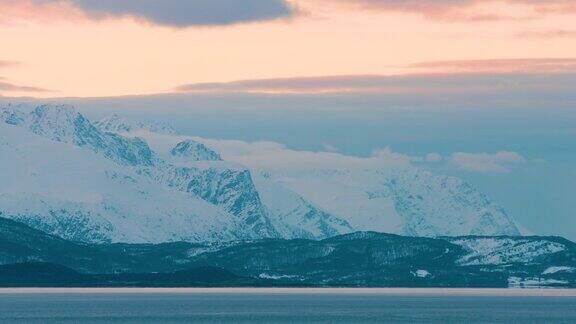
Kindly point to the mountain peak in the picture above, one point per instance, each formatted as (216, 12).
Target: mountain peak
(117, 124)
(58, 115)
(194, 151)
(114, 124)
(61, 123)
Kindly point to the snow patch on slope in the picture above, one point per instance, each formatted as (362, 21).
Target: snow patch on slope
(517, 282)
(556, 269)
(497, 251)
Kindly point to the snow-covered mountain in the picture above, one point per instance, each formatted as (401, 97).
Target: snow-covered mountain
(87, 192)
(398, 199)
(403, 200)
(120, 181)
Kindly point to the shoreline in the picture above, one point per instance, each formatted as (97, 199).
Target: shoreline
(488, 292)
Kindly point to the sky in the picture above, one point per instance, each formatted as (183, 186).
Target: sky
(479, 89)
(70, 48)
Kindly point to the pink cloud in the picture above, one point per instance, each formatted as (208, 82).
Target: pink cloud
(468, 10)
(15, 11)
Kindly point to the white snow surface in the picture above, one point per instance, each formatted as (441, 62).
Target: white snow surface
(517, 282)
(556, 269)
(498, 251)
(421, 273)
(276, 277)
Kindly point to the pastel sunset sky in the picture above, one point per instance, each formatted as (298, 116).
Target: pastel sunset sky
(89, 48)
(479, 89)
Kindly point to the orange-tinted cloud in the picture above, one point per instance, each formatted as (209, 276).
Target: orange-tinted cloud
(4, 63)
(446, 77)
(8, 86)
(548, 34)
(11, 87)
(322, 84)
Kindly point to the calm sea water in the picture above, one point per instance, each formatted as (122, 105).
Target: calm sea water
(262, 306)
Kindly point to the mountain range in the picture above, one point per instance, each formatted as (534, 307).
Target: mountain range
(116, 181)
(120, 203)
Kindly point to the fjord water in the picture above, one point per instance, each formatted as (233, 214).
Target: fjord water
(280, 306)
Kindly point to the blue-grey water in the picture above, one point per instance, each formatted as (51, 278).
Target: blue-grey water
(263, 307)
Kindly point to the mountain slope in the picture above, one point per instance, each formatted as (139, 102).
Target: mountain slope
(20, 243)
(402, 200)
(196, 168)
(229, 188)
(361, 259)
(41, 274)
(293, 216)
(95, 192)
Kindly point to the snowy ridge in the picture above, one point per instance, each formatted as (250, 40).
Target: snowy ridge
(117, 124)
(64, 124)
(405, 201)
(230, 188)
